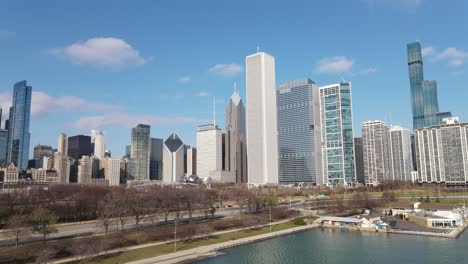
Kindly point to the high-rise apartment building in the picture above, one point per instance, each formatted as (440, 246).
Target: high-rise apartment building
(99, 144)
(442, 152)
(375, 148)
(62, 144)
(359, 159)
(401, 156)
(424, 102)
(141, 152)
(156, 153)
(79, 146)
(235, 153)
(299, 148)
(173, 159)
(337, 135)
(262, 134)
(209, 156)
(18, 130)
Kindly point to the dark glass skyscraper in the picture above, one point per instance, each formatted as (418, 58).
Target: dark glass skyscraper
(423, 93)
(79, 146)
(18, 133)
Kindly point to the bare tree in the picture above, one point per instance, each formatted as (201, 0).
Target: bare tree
(20, 226)
(44, 220)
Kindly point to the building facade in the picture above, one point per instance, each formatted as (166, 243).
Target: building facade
(99, 144)
(3, 146)
(235, 152)
(424, 101)
(173, 159)
(156, 153)
(299, 148)
(375, 148)
(442, 152)
(111, 168)
(191, 162)
(78, 146)
(337, 135)
(18, 130)
(84, 170)
(41, 151)
(262, 134)
(141, 152)
(62, 166)
(401, 156)
(62, 144)
(359, 159)
(209, 150)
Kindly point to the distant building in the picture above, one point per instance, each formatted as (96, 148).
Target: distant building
(337, 135)
(39, 175)
(375, 147)
(62, 166)
(209, 156)
(10, 173)
(84, 170)
(128, 151)
(79, 146)
(262, 136)
(99, 144)
(191, 161)
(156, 156)
(401, 156)
(299, 148)
(18, 127)
(3, 146)
(173, 159)
(111, 169)
(41, 151)
(62, 145)
(442, 152)
(235, 153)
(141, 152)
(359, 159)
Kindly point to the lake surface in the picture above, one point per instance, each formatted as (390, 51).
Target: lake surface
(341, 246)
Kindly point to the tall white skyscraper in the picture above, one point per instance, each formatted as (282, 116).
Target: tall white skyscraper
(173, 159)
(401, 158)
(99, 144)
(375, 145)
(62, 145)
(262, 141)
(209, 147)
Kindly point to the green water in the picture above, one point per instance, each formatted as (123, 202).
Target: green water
(336, 246)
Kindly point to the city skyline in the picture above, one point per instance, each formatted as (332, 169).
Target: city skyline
(87, 96)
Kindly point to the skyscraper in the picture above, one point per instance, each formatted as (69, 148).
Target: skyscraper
(262, 134)
(424, 102)
(235, 140)
(209, 157)
(375, 152)
(41, 151)
(300, 159)
(99, 144)
(79, 146)
(337, 135)
(62, 144)
(111, 169)
(128, 151)
(191, 161)
(359, 159)
(62, 166)
(156, 153)
(3, 146)
(173, 159)
(401, 156)
(84, 170)
(18, 131)
(141, 152)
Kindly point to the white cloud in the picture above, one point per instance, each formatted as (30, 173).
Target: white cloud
(184, 80)
(427, 51)
(202, 94)
(453, 56)
(43, 104)
(226, 70)
(128, 121)
(102, 52)
(338, 64)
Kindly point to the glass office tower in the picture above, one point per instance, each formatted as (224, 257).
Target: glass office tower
(18, 133)
(424, 102)
(337, 135)
(299, 154)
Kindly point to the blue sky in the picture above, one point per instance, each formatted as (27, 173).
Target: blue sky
(112, 64)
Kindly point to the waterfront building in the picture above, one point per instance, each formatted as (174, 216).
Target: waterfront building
(111, 168)
(141, 152)
(78, 146)
(359, 159)
(18, 128)
(337, 135)
(442, 152)
(3, 146)
(62, 166)
(173, 159)
(401, 156)
(262, 134)
(375, 147)
(156, 153)
(191, 161)
(62, 144)
(424, 101)
(99, 144)
(84, 170)
(299, 147)
(209, 156)
(235, 141)
(41, 151)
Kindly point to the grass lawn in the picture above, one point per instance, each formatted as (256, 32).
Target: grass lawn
(158, 250)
